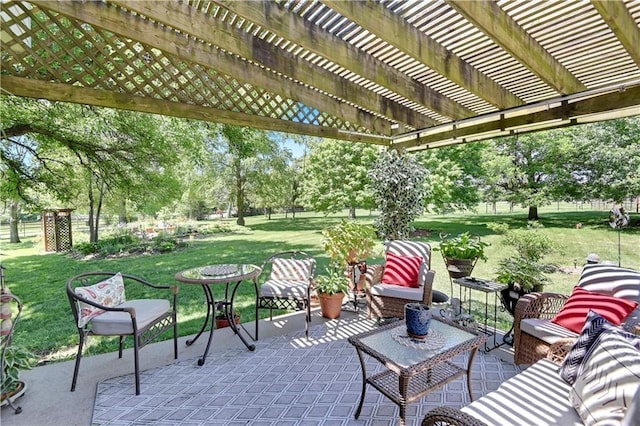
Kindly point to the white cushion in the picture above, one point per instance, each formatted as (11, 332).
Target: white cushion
(291, 269)
(284, 289)
(608, 380)
(545, 330)
(119, 323)
(397, 291)
(536, 397)
(109, 293)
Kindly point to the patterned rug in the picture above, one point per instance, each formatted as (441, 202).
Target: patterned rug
(287, 380)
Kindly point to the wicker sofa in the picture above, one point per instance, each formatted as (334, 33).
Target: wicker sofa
(539, 396)
(533, 330)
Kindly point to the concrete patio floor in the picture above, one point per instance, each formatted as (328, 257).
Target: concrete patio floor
(48, 400)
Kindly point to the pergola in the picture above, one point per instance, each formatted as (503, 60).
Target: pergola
(409, 74)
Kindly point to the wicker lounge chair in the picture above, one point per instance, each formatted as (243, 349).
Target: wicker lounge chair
(387, 300)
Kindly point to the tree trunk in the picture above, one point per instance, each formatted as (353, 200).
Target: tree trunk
(122, 216)
(352, 212)
(239, 194)
(91, 204)
(14, 220)
(533, 213)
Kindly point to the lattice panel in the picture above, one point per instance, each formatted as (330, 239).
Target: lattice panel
(34, 38)
(49, 225)
(63, 228)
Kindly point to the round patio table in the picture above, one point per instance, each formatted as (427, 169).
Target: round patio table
(229, 275)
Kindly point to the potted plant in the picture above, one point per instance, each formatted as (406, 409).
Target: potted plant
(221, 317)
(14, 360)
(347, 243)
(523, 272)
(331, 289)
(461, 252)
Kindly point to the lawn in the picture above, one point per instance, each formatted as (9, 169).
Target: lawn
(47, 326)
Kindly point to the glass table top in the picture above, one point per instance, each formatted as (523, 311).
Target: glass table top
(218, 273)
(383, 343)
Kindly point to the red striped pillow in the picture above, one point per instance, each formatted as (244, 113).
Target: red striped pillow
(402, 270)
(574, 313)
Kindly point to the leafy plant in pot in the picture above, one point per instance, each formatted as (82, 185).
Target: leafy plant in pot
(331, 288)
(14, 360)
(221, 318)
(523, 272)
(461, 252)
(348, 242)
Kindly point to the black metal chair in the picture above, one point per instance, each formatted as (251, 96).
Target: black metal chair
(100, 308)
(287, 279)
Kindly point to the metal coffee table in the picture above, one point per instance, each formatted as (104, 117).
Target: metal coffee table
(413, 372)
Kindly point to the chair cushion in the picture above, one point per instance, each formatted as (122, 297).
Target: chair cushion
(285, 289)
(574, 312)
(291, 269)
(545, 330)
(410, 248)
(612, 280)
(536, 396)
(119, 323)
(397, 291)
(107, 293)
(402, 270)
(608, 382)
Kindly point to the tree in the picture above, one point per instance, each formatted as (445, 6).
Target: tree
(605, 162)
(69, 149)
(452, 181)
(244, 152)
(528, 178)
(398, 190)
(336, 176)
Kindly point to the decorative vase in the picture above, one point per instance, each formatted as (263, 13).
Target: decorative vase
(418, 319)
(331, 304)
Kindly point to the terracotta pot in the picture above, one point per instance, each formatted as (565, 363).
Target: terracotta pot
(222, 322)
(459, 268)
(331, 304)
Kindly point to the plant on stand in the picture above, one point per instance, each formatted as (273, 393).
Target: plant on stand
(524, 272)
(461, 252)
(331, 288)
(348, 243)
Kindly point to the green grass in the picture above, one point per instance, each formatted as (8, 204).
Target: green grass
(47, 327)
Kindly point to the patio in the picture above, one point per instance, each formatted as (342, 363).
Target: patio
(285, 381)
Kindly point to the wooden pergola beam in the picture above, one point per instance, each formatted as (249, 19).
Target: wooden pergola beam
(497, 24)
(30, 88)
(378, 20)
(272, 17)
(612, 101)
(618, 18)
(233, 39)
(114, 20)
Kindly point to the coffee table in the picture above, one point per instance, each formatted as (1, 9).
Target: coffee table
(230, 276)
(413, 371)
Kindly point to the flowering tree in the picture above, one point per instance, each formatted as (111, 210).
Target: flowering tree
(398, 191)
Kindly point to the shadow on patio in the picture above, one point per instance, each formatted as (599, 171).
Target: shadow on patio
(287, 380)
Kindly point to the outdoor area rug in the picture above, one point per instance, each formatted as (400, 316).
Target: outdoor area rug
(287, 380)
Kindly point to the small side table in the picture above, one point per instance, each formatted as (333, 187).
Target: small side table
(487, 287)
